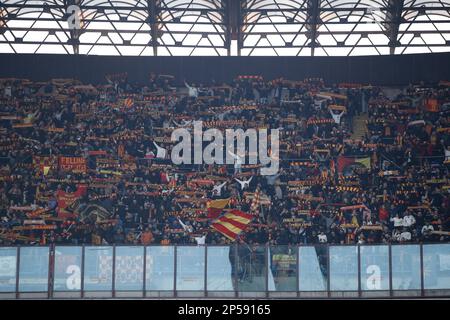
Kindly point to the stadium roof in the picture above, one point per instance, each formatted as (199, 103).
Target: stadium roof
(225, 27)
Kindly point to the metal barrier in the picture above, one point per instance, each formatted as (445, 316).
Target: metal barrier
(236, 271)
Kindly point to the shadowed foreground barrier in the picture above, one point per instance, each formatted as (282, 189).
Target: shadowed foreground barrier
(237, 271)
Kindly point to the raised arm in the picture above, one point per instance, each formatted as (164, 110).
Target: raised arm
(221, 185)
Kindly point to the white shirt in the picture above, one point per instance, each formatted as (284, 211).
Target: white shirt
(405, 236)
(160, 152)
(200, 240)
(218, 189)
(193, 92)
(337, 117)
(398, 222)
(8, 91)
(244, 183)
(427, 229)
(408, 221)
(318, 103)
(323, 238)
(447, 155)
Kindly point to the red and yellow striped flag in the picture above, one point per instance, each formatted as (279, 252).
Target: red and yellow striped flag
(254, 207)
(215, 207)
(232, 223)
(128, 102)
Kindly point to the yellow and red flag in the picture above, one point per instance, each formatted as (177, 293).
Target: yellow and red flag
(232, 223)
(128, 102)
(254, 207)
(215, 207)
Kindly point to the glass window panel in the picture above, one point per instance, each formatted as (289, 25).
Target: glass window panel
(436, 266)
(313, 270)
(129, 274)
(67, 272)
(8, 269)
(344, 268)
(159, 268)
(251, 268)
(220, 268)
(98, 268)
(282, 268)
(33, 269)
(405, 267)
(374, 267)
(190, 268)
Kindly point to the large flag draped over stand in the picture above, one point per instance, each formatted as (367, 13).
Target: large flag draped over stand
(343, 162)
(232, 223)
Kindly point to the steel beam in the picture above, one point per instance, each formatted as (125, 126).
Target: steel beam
(294, 24)
(233, 24)
(152, 10)
(74, 33)
(393, 21)
(312, 23)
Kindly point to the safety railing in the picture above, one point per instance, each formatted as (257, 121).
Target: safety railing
(236, 271)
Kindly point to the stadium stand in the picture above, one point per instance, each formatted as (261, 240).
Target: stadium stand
(90, 164)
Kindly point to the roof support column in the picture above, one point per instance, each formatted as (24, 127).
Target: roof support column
(233, 20)
(73, 9)
(312, 23)
(152, 9)
(394, 12)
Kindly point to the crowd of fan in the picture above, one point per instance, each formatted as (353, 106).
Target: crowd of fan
(401, 195)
